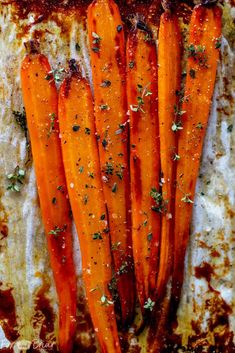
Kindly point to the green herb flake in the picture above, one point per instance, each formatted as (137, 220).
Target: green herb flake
(16, 179)
(97, 236)
(104, 143)
(131, 64)
(87, 131)
(102, 217)
(150, 236)
(149, 304)
(187, 199)
(81, 169)
(57, 230)
(105, 301)
(199, 126)
(230, 128)
(104, 107)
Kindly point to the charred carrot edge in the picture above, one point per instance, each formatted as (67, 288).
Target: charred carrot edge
(144, 160)
(107, 48)
(81, 161)
(169, 77)
(203, 55)
(40, 100)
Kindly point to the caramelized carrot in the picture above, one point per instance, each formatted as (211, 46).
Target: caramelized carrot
(107, 47)
(144, 159)
(203, 55)
(40, 100)
(169, 74)
(81, 161)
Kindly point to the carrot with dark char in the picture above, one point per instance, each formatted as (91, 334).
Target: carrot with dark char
(144, 159)
(169, 75)
(202, 58)
(82, 168)
(40, 100)
(107, 49)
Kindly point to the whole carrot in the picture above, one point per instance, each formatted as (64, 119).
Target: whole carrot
(144, 160)
(169, 74)
(81, 161)
(40, 100)
(107, 49)
(202, 58)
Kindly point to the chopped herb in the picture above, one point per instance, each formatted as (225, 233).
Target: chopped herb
(104, 107)
(104, 143)
(76, 128)
(120, 154)
(119, 28)
(57, 230)
(91, 175)
(123, 268)
(87, 131)
(176, 157)
(131, 64)
(109, 168)
(230, 128)
(114, 187)
(77, 47)
(119, 172)
(115, 246)
(218, 43)
(199, 126)
(60, 187)
(149, 304)
(16, 179)
(106, 230)
(96, 38)
(133, 146)
(160, 203)
(145, 222)
(139, 88)
(56, 75)
(97, 236)
(105, 301)
(54, 200)
(147, 37)
(150, 236)
(105, 83)
(186, 198)
(176, 126)
(102, 217)
(192, 73)
(197, 53)
(81, 169)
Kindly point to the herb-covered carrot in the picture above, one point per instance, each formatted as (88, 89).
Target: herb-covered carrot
(40, 100)
(82, 168)
(202, 59)
(107, 48)
(169, 74)
(147, 203)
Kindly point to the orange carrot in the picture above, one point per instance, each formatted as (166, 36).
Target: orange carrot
(169, 74)
(144, 159)
(203, 55)
(107, 46)
(81, 161)
(40, 100)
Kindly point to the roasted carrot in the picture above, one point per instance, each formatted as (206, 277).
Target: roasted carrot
(40, 100)
(107, 49)
(203, 55)
(82, 168)
(169, 75)
(144, 159)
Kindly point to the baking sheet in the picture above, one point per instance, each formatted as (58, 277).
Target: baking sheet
(28, 302)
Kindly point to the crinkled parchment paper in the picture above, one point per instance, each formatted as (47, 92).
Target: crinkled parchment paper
(28, 302)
